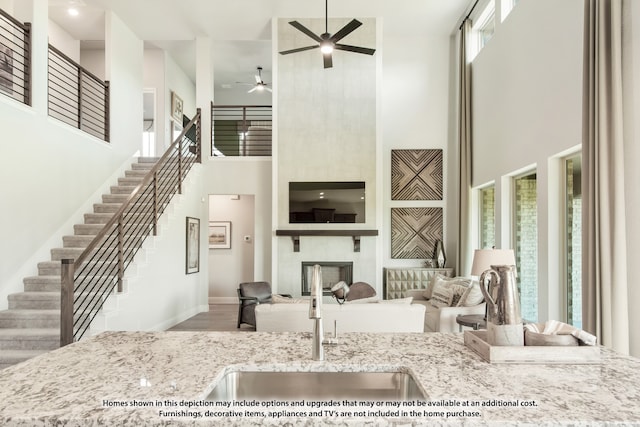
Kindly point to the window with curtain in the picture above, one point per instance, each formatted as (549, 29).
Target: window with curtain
(487, 210)
(483, 29)
(573, 239)
(526, 243)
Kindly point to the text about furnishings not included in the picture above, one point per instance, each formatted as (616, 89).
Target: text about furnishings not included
(342, 408)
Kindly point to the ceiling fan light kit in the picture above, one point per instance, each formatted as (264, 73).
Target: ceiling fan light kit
(327, 42)
(260, 84)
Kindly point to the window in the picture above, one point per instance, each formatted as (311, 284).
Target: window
(488, 217)
(486, 25)
(483, 29)
(526, 243)
(507, 7)
(573, 239)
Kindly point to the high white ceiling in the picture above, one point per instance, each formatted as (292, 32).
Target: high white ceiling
(241, 29)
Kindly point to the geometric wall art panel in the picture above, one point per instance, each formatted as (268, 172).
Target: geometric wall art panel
(414, 232)
(416, 174)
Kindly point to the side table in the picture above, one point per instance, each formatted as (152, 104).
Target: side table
(475, 321)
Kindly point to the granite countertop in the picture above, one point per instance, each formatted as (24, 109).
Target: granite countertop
(84, 384)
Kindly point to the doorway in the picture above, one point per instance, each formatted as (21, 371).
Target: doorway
(149, 123)
(231, 245)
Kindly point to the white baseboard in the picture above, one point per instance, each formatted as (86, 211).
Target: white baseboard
(223, 300)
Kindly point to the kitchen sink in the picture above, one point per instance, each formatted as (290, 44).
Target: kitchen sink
(297, 385)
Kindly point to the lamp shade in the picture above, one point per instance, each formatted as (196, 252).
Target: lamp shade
(483, 259)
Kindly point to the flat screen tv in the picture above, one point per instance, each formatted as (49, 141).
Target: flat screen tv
(327, 202)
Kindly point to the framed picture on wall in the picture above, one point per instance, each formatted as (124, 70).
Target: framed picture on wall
(193, 245)
(176, 108)
(220, 235)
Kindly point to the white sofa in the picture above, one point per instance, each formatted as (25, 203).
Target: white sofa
(442, 319)
(366, 317)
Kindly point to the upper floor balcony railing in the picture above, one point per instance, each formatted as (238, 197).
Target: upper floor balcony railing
(15, 58)
(76, 96)
(241, 130)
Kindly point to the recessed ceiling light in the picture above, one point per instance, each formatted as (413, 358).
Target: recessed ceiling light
(73, 11)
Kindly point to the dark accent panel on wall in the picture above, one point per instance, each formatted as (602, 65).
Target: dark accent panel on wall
(416, 174)
(415, 231)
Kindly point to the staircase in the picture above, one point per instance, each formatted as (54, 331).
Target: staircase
(31, 325)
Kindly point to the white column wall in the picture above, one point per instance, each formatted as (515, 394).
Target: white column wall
(204, 86)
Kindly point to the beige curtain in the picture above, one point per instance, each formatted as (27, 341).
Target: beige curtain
(464, 249)
(604, 260)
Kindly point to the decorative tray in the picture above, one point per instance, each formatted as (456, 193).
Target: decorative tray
(583, 354)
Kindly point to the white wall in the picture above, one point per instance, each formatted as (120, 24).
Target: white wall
(154, 77)
(178, 82)
(228, 267)
(415, 115)
(64, 42)
(51, 169)
(94, 61)
(157, 291)
(124, 67)
(631, 90)
(527, 109)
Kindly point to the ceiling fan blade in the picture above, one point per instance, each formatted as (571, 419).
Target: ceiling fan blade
(355, 49)
(268, 89)
(300, 49)
(258, 79)
(251, 90)
(305, 30)
(328, 60)
(344, 31)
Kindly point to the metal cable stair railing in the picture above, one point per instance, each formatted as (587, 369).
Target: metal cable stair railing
(88, 280)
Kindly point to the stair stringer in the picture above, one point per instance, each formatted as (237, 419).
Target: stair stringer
(157, 293)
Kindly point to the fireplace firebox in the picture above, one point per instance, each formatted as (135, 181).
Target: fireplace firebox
(332, 273)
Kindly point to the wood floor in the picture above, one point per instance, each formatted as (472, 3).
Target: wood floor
(220, 317)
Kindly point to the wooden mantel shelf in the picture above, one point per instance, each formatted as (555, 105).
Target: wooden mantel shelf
(356, 234)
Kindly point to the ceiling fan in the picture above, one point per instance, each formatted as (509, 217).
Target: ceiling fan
(259, 85)
(327, 42)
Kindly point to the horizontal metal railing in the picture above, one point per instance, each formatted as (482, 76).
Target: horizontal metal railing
(76, 96)
(88, 280)
(241, 130)
(15, 58)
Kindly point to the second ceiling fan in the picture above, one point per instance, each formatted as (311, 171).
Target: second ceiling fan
(327, 42)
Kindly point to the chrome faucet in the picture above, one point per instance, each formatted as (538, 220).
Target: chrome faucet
(315, 312)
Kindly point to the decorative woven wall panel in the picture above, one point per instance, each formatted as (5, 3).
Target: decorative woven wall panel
(416, 174)
(415, 231)
(397, 281)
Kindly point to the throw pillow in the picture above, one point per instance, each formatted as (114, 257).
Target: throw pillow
(360, 290)
(474, 296)
(459, 293)
(441, 296)
(456, 290)
(429, 289)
